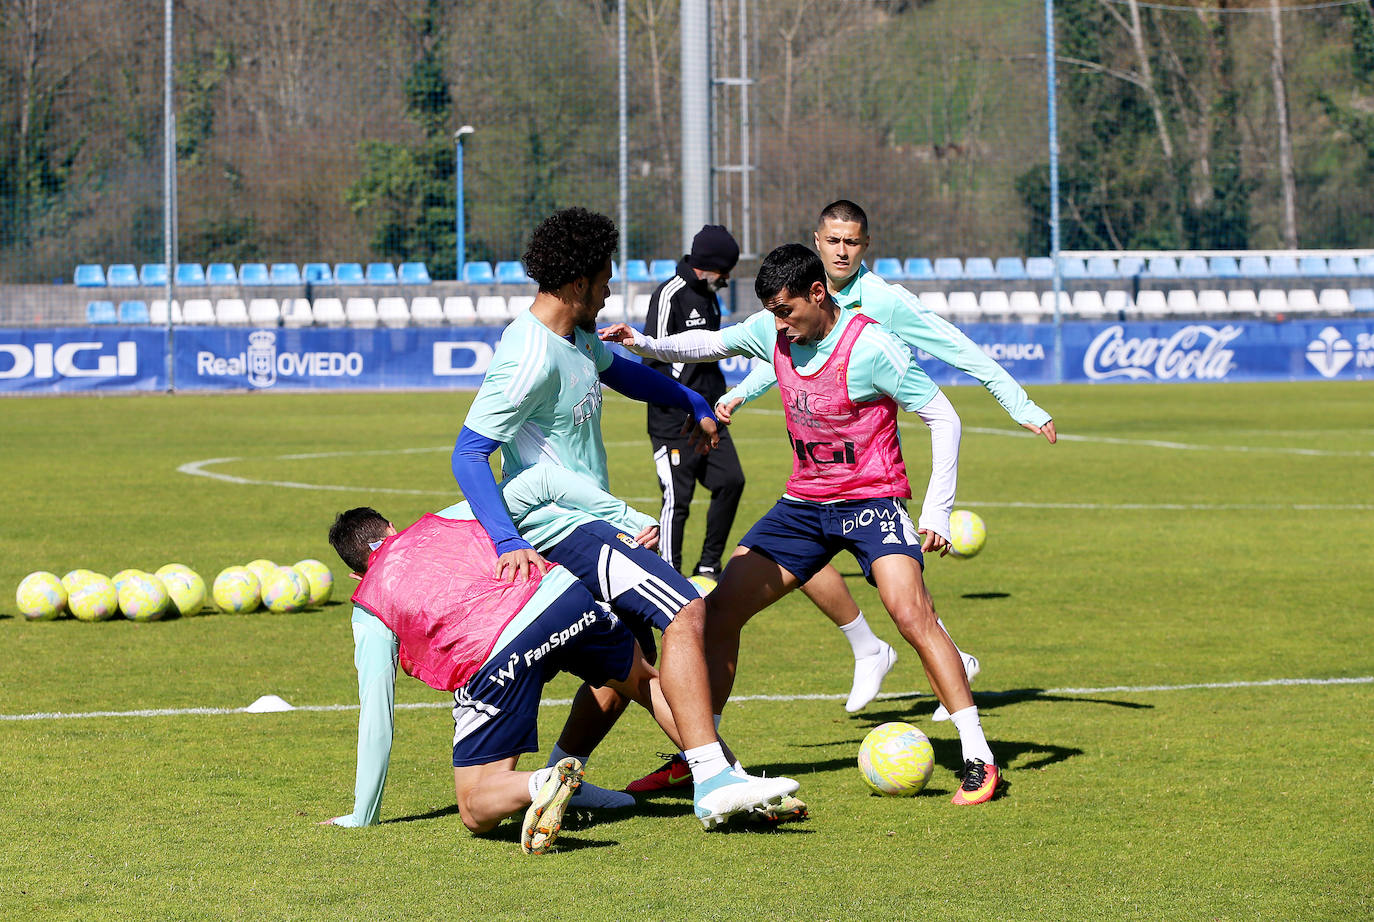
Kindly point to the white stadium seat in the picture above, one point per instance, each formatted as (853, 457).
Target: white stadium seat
(639, 307)
(329, 312)
(1025, 306)
(295, 312)
(1151, 303)
(1303, 301)
(361, 312)
(1047, 303)
(1117, 302)
(231, 311)
(963, 307)
(198, 311)
(459, 309)
(393, 312)
(1242, 301)
(994, 303)
(1212, 301)
(1334, 299)
(613, 311)
(426, 311)
(936, 301)
(1182, 301)
(518, 304)
(264, 312)
(492, 309)
(157, 311)
(1273, 300)
(1088, 305)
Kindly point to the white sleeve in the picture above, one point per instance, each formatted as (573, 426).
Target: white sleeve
(691, 346)
(945, 431)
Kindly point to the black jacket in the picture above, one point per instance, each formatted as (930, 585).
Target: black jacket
(684, 302)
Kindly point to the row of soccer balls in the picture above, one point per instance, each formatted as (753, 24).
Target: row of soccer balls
(173, 589)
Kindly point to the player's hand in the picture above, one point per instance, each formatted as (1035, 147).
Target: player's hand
(725, 408)
(621, 333)
(648, 537)
(329, 822)
(704, 436)
(933, 541)
(524, 563)
(1046, 430)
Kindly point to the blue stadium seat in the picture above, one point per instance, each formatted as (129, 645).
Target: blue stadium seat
(1039, 267)
(1367, 265)
(1072, 267)
(153, 274)
(1162, 267)
(615, 270)
(254, 274)
(919, 269)
(413, 273)
(979, 267)
(1223, 267)
(1362, 299)
(317, 272)
(1010, 268)
(122, 275)
(381, 274)
(1342, 265)
(1101, 267)
(189, 275)
(221, 274)
(949, 268)
(663, 269)
(1283, 265)
(1254, 267)
(285, 274)
(478, 273)
(348, 273)
(1313, 267)
(510, 272)
(89, 276)
(1129, 267)
(133, 312)
(1194, 267)
(101, 312)
(889, 268)
(638, 271)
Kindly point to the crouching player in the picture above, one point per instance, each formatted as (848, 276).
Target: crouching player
(429, 595)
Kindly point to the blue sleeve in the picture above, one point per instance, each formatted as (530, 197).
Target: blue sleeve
(472, 470)
(639, 382)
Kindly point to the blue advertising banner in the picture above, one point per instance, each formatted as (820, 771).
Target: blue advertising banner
(83, 359)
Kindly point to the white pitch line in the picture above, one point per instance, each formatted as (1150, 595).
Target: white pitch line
(564, 702)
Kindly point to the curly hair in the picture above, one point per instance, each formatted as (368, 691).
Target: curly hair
(353, 531)
(568, 245)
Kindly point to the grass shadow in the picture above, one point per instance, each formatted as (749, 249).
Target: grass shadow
(986, 595)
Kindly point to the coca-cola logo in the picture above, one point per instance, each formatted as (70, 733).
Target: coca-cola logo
(1196, 351)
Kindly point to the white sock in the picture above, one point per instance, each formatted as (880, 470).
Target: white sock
(558, 755)
(971, 738)
(537, 779)
(962, 654)
(715, 718)
(706, 761)
(861, 638)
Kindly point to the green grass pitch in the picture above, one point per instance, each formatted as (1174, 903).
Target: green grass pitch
(1178, 535)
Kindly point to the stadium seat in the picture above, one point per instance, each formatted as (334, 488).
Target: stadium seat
(296, 313)
(1010, 268)
(1117, 302)
(889, 268)
(949, 268)
(221, 274)
(1254, 267)
(133, 312)
(329, 312)
(413, 273)
(1101, 267)
(1088, 305)
(1047, 303)
(518, 304)
(152, 275)
(615, 270)
(978, 267)
(994, 303)
(963, 307)
(1039, 267)
(157, 312)
(1283, 266)
(361, 312)
(1342, 265)
(427, 311)
(315, 273)
(1182, 302)
(1334, 299)
(512, 273)
(639, 307)
(1362, 299)
(348, 274)
(189, 275)
(1273, 300)
(89, 275)
(459, 310)
(393, 312)
(614, 309)
(198, 311)
(1128, 267)
(1025, 306)
(1151, 304)
(919, 269)
(1162, 267)
(1072, 267)
(285, 274)
(254, 274)
(663, 269)
(121, 275)
(1313, 267)
(1303, 301)
(492, 309)
(1194, 267)
(264, 312)
(1242, 301)
(1212, 301)
(478, 273)
(1366, 265)
(231, 312)
(638, 271)
(1223, 267)
(101, 312)
(936, 301)
(381, 274)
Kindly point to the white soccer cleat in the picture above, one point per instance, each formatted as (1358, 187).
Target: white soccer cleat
(971, 669)
(591, 797)
(869, 672)
(544, 818)
(731, 792)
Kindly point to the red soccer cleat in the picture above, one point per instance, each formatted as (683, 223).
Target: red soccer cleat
(979, 785)
(671, 774)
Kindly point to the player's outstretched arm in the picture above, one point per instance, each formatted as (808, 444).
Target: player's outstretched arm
(758, 382)
(375, 657)
(945, 431)
(640, 383)
(1046, 430)
(689, 346)
(472, 470)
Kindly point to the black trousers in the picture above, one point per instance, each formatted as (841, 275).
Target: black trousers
(680, 469)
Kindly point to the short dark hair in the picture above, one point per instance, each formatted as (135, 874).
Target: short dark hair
(844, 210)
(568, 245)
(353, 531)
(792, 268)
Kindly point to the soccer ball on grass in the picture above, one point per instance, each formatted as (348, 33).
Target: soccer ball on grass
(896, 759)
(41, 596)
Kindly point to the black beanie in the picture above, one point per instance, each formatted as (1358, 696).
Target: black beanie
(713, 248)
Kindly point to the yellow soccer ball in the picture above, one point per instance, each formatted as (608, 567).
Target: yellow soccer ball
(236, 590)
(703, 583)
(166, 568)
(285, 590)
(93, 599)
(185, 591)
(896, 759)
(320, 578)
(73, 578)
(260, 568)
(967, 533)
(142, 597)
(41, 596)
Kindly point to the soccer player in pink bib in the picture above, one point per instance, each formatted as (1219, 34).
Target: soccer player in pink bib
(842, 377)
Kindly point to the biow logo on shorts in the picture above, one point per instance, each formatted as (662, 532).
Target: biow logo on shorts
(69, 360)
(262, 364)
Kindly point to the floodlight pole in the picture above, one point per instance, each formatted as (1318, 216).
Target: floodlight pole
(459, 221)
(1057, 367)
(169, 198)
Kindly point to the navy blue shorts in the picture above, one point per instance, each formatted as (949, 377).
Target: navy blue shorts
(802, 537)
(496, 714)
(641, 586)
